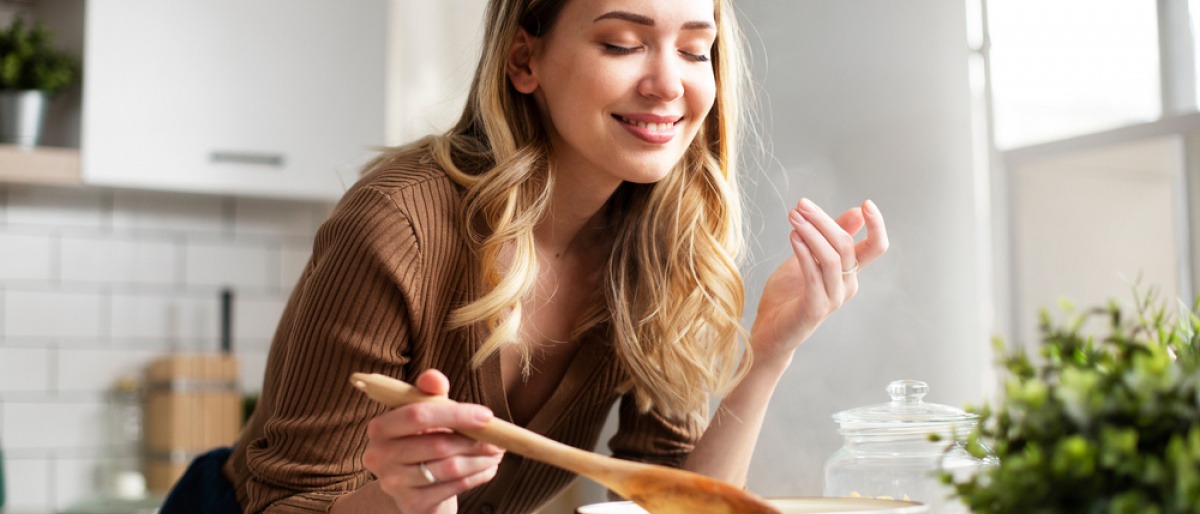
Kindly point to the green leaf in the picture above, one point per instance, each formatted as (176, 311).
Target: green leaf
(28, 61)
(1106, 422)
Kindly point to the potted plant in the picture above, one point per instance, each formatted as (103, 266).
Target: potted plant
(30, 72)
(1106, 423)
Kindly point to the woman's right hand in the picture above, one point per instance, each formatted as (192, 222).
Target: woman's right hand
(419, 459)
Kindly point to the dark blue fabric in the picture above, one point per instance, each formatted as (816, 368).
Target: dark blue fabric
(203, 488)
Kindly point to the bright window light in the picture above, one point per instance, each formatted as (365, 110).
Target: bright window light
(1063, 68)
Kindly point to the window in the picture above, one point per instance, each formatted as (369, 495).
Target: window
(1062, 68)
(1094, 192)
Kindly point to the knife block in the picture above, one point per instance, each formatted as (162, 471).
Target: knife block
(192, 405)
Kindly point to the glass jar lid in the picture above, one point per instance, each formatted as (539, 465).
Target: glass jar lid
(906, 409)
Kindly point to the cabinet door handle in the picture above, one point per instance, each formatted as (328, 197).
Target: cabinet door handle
(261, 159)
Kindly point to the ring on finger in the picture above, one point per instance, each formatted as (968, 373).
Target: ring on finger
(427, 474)
(853, 269)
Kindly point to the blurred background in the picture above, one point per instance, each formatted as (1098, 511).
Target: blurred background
(1022, 152)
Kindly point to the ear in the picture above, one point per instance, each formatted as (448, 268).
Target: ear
(520, 65)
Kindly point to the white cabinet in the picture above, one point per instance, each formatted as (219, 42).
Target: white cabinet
(278, 98)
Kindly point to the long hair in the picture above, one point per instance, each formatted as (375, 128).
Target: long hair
(674, 296)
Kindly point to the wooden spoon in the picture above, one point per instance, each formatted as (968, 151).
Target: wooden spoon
(658, 489)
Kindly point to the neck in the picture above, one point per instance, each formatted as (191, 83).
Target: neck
(574, 222)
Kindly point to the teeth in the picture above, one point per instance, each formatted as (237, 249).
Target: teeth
(652, 127)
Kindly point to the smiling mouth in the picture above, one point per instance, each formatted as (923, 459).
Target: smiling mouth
(651, 127)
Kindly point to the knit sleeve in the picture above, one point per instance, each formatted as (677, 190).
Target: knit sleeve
(652, 437)
(352, 311)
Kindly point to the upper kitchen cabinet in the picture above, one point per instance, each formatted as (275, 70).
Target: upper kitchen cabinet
(280, 98)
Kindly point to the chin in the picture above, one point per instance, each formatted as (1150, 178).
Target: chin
(643, 172)
(648, 178)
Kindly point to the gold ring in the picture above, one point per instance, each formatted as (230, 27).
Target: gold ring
(853, 269)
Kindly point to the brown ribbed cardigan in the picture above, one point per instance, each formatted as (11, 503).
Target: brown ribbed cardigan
(386, 270)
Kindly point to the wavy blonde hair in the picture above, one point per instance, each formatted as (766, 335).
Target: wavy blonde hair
(674, 295)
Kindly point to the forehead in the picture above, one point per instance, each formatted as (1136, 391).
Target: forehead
(666, 13)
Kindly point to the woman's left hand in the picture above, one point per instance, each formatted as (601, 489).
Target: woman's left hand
(822, 275)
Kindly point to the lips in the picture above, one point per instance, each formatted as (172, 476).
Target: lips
(651, 128)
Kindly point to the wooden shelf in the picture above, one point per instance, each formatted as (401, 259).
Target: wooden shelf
(40, 165)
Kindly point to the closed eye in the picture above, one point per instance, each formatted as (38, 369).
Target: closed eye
(618, 50)
(694, 57)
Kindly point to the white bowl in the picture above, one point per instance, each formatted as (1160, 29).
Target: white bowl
(790, 506)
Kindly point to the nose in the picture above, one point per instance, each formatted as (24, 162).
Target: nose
(663, 79)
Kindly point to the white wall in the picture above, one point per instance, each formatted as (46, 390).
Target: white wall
(868, 99)
(1092, 224)
(94, 284)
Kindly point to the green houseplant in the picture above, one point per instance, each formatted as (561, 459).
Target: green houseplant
(1096, 423)
(30, 71)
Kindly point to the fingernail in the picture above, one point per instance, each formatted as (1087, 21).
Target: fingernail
(872, 209)
(807, 204)
(796, 238)
(796, 218)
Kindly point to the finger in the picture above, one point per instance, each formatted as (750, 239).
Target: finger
(828, 261)
(456, 469)
(392, 453)
(808, 263)
(429, 496)
(400, 460)
(433, 382)
(876, 241)
(418, 418)
(838, 239)
(851, 221)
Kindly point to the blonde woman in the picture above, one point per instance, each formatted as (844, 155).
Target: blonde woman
(572, 244)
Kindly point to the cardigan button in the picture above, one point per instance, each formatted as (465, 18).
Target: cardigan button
(487, 508)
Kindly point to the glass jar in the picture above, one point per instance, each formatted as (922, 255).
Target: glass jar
(888, 453)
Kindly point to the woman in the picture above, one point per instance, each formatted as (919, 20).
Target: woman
(572, 243)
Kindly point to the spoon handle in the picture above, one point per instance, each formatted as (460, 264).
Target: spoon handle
(394, 393)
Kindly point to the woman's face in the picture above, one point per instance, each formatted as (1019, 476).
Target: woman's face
(624, 85)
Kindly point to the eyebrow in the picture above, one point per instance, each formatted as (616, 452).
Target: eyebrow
(648, 21)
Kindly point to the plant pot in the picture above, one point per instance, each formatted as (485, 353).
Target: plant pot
(21, 116)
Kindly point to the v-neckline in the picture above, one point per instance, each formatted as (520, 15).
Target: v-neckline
(496, 398)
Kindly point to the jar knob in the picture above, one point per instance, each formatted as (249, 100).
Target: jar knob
(907, 391)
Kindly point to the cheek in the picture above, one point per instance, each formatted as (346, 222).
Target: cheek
(701, 96)
(568, 80)
(703, 93)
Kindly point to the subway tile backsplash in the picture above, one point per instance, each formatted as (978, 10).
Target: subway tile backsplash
(26, 256)
(95, 283)
(53, 315)
(122, 259)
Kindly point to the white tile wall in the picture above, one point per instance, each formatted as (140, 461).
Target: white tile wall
(120, 260)
(168, 212)
(60, 425)
(25, 257)
(254, 320)
(241, 265)
(164, 320)
(76, 479)
(53, 315)
(95, 283)
(24, 369)
(57, 207)
(98, 370)
(274, 217)
(28, 484)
